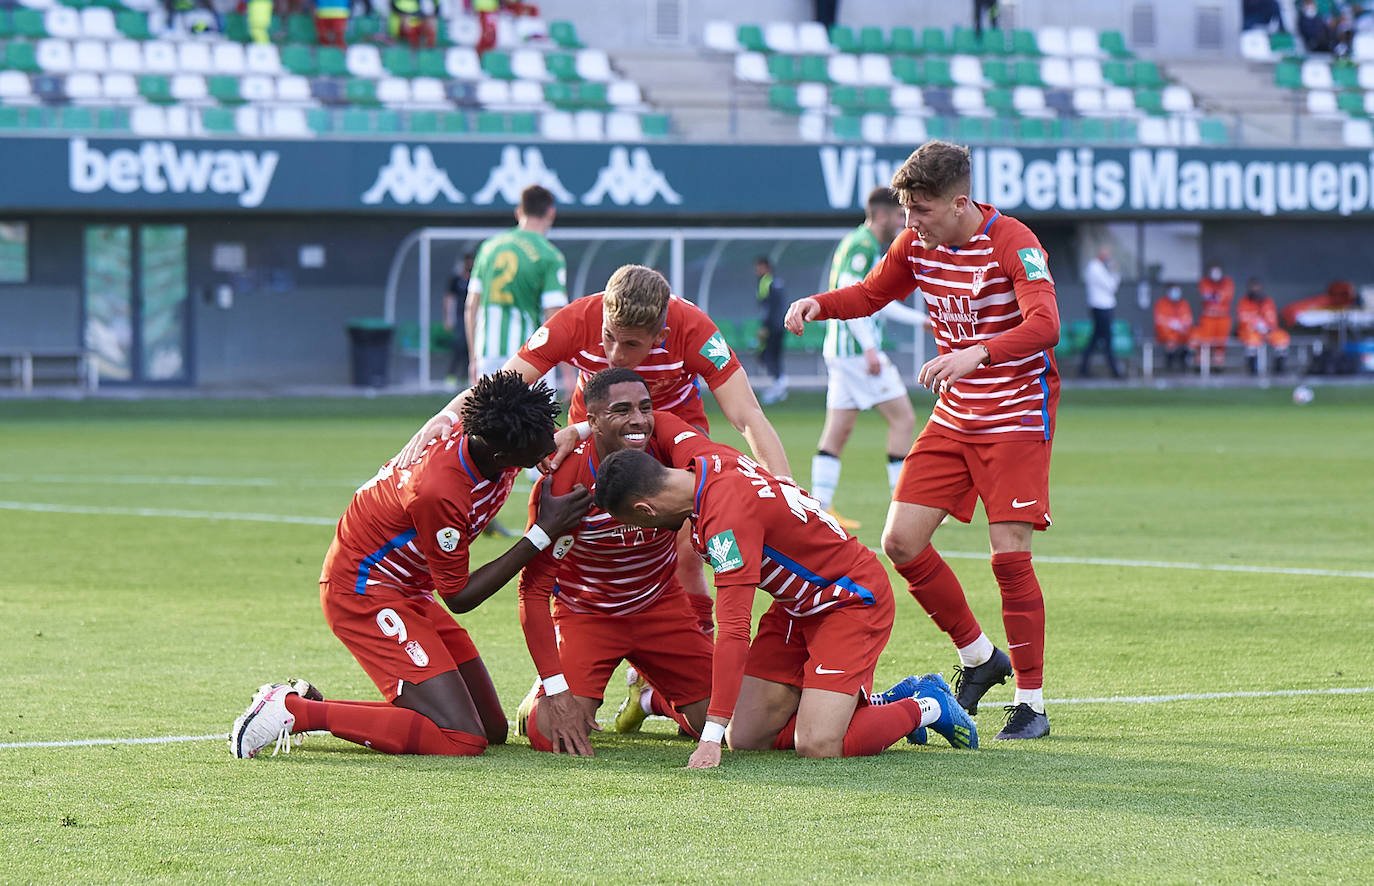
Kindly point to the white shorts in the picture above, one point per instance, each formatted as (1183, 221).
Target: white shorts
(851, 387)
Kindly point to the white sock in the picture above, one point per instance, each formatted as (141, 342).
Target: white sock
(1033, 697)
(825, 476)
(930, 711)
(975, 653)
(875, 699)
(645, 700)
(894, 470)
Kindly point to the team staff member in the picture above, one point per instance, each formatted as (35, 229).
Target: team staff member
(989, 294)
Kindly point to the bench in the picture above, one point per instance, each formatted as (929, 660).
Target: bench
(1299, 355)
(22, 368)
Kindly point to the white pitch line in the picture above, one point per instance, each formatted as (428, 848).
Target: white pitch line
(175, 513)
(1169, 564)
(168, 480)
(1114, 699)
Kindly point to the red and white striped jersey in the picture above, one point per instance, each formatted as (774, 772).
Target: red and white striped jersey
(692, 347)
(409, 530)
(995, 290)
(605, 567)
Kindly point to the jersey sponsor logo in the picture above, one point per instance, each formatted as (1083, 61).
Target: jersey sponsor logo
(723, 552)
(448, 539)
(417, 653)
(685, 435)
(630, 177)
(539, 339)
(1036, 264)
(958, 316)
(716, 350)
(562, 546)
(516, 171)
(160, 168)
(412, 177)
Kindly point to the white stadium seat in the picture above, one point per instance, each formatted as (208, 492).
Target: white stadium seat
(966, 70)
(263, 58)
(811, 127)
(363, 60)
(1369, 102)
(969, 101)
(393, 91)
(1254, 45)
(843, 69)
(289, 122)
(1316, 74)
(1154, 131)
(293, 89)
(623, 126)
(189, 88)
(62, 21)
(229, 58)
(1365, 73)
(908, 99)
(875, 70)
(98, 22)
(1053, 41)
(780, 36)
(1056, 73)
(528, 64)
(493, 93)
(1119, 101)
(82, 86)
(1087, 72)
(90, 55)
(907, 130)
(159, 57)
(148, 121)
(525, 94)
(258, 88)
(719, 36)
(464, 30)
(594, 64)
(462, 63)
(54, 56)
(1084, 43)
(813, 96)
(126, 55)
(428, 91)
(1029, 101)
(624, 94)
(1362, 49)
(1322, 103)
(873, 128)
(590, 125)
(15, 85)
(247, 121)
(752, 67)
(1177, 99)
(813, 39)
(119, 87)
(1087, 101)
(557, 126)
(1357, 134)
(194, 57)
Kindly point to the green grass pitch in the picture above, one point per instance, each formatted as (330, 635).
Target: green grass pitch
(115, 625)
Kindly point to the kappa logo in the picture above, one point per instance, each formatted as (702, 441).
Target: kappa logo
(1036, 264)
(539, 339)
(630, 177)
(716, 350)
(517, 171)
(448, 539)
(958, 316)
(723, 552)
(411, 177)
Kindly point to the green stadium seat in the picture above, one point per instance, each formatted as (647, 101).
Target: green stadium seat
(133, 25)
(386, 121)
(784, 68)
(1114, 44)
(933, 41)
(1074, 338)
(877, 99)
(908, 70)
(811, 340)
(1023, 43)
(523, 124)
(28, 23)
(318, 119)
(1214, 132)
(1345, 75)
(497, 64)
(75, 118)
(112, 120)
(453, 122)
(848, 99)
(1146, 74)
(355, 120)
(6, 28)
(224, 89)
(1151, 101)
(1352, 103)
(1090, 129)
(430, 63)
(425, 122)
(560, 95)
(938, 127)
(937, 72)
(562, 65)
(564, 34)
(871, 40)
(1000, 101)
(843, 39)
(361, 92)
(783, 97)
(235, 27)
(967, 41)
(655, 125)
(996, 42)
(1039, 129)
(300, 29)
(1124, 131)
(218, 121)
(751, 38)
(491, 123)
(1027, 73)
(363, 28)
(903, 42)
(1282, 43)
(399, 61)
(1288, 74)
(814, 69)
(848, 128)
(1117, 74)
(332, 62)
(299, 59)
(155, 89)
(972, 129)
(20, 56)
(592, 95)
(997, 72)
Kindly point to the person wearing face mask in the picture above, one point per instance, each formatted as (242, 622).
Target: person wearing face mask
(1173, 326)
(1257, 323)
(1214, 328)
(1316, 34)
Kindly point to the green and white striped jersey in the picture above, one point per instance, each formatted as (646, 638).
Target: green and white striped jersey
(518, 275)
(856, 255)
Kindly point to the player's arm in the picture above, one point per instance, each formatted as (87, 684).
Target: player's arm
(889, 281)
(742, 410)
(727, 667)
(1039, 326)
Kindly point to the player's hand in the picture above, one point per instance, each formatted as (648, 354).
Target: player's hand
(437, 428)
(568, 723)
(706, 756)
(951, 367)
(872, 363)
(801, 312)
(566, 440)
(560, 514)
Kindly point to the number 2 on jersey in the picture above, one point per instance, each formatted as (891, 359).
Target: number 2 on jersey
(507, 264)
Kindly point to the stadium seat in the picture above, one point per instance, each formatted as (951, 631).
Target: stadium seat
(462, 63)
(875, 70)
(842, 39)
(812, 37)
(1023, 43)
(1177, 99)
(784, 68)
(842, 68)
(624, 94)
(907, 130)
(194, 57)
(398, 61)
(1146, 75)
(1038, 129)
(750, 37)
(968, 101)
(1113, 43)
(524, 94)
(811, 127)
(998, 73)
(1087, 72)
(593, 95)
(1052, 41)
(1316, 74)
(133, 25)
(386, 121)
(300, 29)
(1000, 102)
(624, 127)
(933, 41)
(159, 57)
(1254, 45)
(564, 34)
(327, 90)
(783, 97)
(594, 64)
(720, 36)
(263, 58)
(1117, 74)
(15, 85)
(429, 92)
(320, 120)
(873, 128)
(936, 73)
(294, 89)
(780, 36)
(75, 119)
(393, 91)
(1029, 101)
(1322, 103)
(494, 94)
(752, 67)
(655, 125)
(1027, 73)
(1056, 73)
(847, 128)
(1288, 74)
(355, 120)
(1087, 101)
(907, 100)
(1084, 43)
(813, 96)
(996, 42)
(62, 22)
(223, 89)
(187, 88)
(1282, 43)
(1345, 75)
(966, 42)
(361, 92)
(814, 69)
(1362, 47)
(230, 58)
(82, 86)
(156, 88)
(1213, 132)
(528, 64)
(218, 121)
(560, 95)
(148, 120)
(902, 42)
(294, 58)
(124, 55)
(966, 70)
(54, 56)
(590, 125)
(90, 55)
(1118, 101)
(908, 70)
(847, 99)
(258, 88)
(1357, 134)
(363, 60)
(28, 23)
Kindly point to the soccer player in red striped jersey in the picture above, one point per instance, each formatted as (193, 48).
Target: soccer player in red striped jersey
(403, 539)
(614, 589)
(804, 681)
(988, 290)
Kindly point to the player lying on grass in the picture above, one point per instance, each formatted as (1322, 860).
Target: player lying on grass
(615, 593)
(404, 538)
(804, 681)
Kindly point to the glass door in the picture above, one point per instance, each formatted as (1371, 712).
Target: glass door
(137, 320)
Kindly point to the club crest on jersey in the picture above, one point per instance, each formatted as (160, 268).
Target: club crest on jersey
(448, 539)
(417, 653)
(1036, 264)
(541, 335)
(978, 277)
(562, 546)
(723, 552)
(716, 350)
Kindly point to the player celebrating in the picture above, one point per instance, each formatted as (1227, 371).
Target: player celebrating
(801, 682)
(403, 538)
(990, 296)
(615, 595)
(861, 375)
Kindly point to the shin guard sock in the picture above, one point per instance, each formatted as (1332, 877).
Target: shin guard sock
(1023, 615)
(660, 705)
(932, 583)
(704, 607)
(873, 729)
(894, 470)
(787, 737)
(825, 476)
(387, 728)
(538, 741)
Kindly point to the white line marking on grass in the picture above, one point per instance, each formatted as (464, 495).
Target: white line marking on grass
(164, 480)
(1166, 564)
(1114, 699)
(174, 513)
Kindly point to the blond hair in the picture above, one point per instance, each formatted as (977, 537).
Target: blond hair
(935, 169)
(636, 298)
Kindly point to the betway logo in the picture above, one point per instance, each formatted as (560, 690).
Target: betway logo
(159, 168)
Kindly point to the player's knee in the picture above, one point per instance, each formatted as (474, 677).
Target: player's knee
(819, 745)
(465, 744)
(898, 547)
(497, 732)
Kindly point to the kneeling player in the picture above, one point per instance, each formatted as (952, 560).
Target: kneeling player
(802, 682)
(615, 593)
(404, 537)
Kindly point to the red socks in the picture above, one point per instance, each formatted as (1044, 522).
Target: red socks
(932, 583)
(877, 727)
(1023, 615)
(787, 738)
(659, 705)
(383, 727)
(704, 607)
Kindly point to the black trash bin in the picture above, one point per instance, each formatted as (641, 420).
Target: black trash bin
(370, 340)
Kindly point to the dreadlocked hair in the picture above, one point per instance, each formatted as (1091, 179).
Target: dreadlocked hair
(508, 414)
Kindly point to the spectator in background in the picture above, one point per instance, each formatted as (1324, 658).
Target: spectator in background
(1257, 323)
(773, 301)
(331, 22)
(1217, 291)
(985, 6)
(413, 22)
(486, 16)
(1261, 14)
(1101, 279)
(455, 297)
(1173, 327)
(1315, 33)
(259, 20)
(826, 10)
(1342, 27)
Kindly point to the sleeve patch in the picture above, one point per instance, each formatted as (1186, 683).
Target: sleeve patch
(448, 539)
(716, 350)
(1036, 265)
(540, 337)
(723, 552)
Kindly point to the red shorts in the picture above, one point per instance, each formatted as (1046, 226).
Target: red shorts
(663, 642)
(1012, 477)
(836, 650)
(394, 637)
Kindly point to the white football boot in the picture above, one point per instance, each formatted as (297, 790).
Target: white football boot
(266, 721)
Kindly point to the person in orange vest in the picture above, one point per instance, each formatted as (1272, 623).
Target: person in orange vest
(1257, 322)
(1339, 294)
(1214, 328)
(1173, 326)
